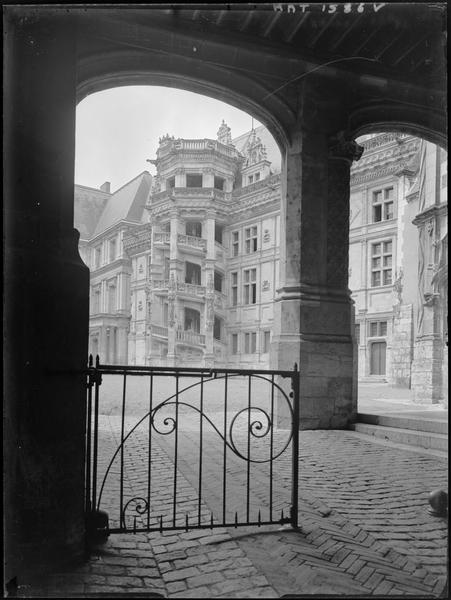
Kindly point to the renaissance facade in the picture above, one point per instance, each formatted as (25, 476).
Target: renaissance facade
(185, 263)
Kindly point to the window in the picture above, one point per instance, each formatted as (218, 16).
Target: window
(218, 233)
(112, 250)
(218, 281)
(383, 204)
(250, 343)
(266, 341)
(219, 183)
(444, 180)
(217, 328)
(111, 297)
(170, 183)
(97, 256)
(235, 243)
(378, 328)
(381, 264)
(250, 238)
(192, 320)
(192, 273)
(250, 179)
(193, 180)
(96, 300)
(234, 343)
(193, 228)
(257, 176)
(250, 286)
(234, 278)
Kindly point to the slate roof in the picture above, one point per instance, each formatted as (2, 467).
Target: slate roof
(88, 207)
(126, 204)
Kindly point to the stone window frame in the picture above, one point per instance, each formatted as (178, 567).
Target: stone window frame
(265, 340)
(383, 204)
(381, 268)
(234, 283)
(234, 343)
(218, 322)
(97, 256)
(235, 245)
(250, 286)
(112, 244)
(112, 285)
(250, 342)
(381, 328)
(251, 239)
(96, 298)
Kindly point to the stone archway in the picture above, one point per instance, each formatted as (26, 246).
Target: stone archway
(50, 52)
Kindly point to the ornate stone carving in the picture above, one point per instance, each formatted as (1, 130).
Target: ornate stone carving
(166, 139)
(343, 148)
(254, 151)
(225, 134)
(266, 236)
(266, 285)
(397, 288)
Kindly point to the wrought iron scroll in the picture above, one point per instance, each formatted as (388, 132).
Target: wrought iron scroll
(260, 424)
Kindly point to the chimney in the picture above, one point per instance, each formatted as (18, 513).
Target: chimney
(105, 187)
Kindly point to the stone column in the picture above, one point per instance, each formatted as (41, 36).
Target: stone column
(173, 317)
(47, 298)
(313, 308)
(210, 290)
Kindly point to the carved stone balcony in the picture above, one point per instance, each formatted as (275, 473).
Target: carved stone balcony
(190, 338)
(161, 237)
(159, 331)
(192, 241)
(191, 289)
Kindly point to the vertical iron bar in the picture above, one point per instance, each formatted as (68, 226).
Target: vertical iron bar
(149, 464)
(200, 444)
(295, 474)
(88, 438)
(225, 453)
(96, 434)
(121, 491)
(176, 444)
(248, 449)
(271, 449)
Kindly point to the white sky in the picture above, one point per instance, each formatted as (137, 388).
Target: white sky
(117, 130)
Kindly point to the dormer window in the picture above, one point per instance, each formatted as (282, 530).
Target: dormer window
(193, 180)
(170, 183)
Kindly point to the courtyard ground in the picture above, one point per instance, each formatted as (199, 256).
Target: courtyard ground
(365, 528)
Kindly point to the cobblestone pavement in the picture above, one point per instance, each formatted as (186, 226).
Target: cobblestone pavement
(364, 530)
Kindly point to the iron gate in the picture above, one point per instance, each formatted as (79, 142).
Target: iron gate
(213, 431)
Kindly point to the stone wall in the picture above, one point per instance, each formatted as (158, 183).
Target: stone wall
(401, 346)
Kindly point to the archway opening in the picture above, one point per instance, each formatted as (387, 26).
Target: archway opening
(191, 197)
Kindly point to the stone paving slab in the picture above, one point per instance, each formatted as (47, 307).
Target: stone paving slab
(364, 525)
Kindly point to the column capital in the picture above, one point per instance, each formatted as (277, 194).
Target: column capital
(343, 147)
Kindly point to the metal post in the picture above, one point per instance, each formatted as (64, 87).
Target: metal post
(295, 466)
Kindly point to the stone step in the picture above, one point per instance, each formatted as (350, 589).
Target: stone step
(411, 437)
(406, 422)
